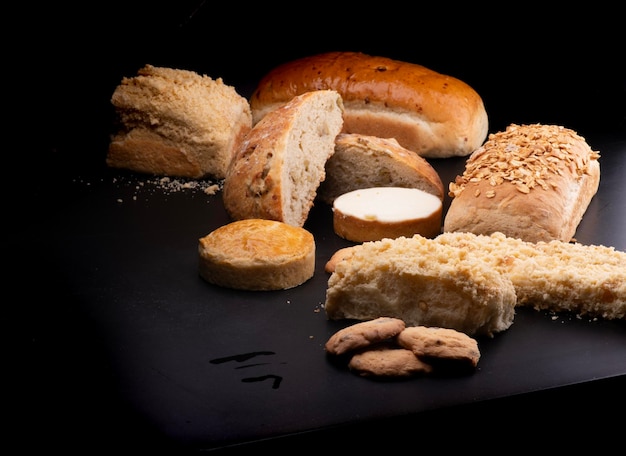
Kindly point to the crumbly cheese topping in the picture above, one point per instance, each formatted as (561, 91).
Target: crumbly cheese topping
(525, 156)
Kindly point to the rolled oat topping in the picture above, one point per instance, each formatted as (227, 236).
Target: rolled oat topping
(525, 156)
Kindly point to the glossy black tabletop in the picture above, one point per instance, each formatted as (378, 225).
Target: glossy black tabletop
(128, 348)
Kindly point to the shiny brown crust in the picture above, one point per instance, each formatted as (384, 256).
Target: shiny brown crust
(531, 182)
(430, 113)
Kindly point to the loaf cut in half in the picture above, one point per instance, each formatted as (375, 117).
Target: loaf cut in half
(177, 123)
(371, 214)
(432, 114)
(281, 162)
(257, 254)
(362, 161)
(422, 282)
(532, 182)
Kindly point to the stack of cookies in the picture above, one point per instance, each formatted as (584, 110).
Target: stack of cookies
(386, 347)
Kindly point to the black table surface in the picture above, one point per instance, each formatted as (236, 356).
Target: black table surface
(128, 340)
(127, 348)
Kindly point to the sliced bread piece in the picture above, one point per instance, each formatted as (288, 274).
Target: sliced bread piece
(281, 161)
(362, 161)
(371, 214)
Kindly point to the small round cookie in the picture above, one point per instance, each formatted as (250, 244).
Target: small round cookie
(388, 362)
(363, 334)
(431, 343)
(257, 254)
(338, 256)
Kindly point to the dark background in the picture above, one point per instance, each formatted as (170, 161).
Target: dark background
(65, 59)
(529, 65)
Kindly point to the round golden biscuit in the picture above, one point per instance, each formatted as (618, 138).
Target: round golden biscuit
(257, 254)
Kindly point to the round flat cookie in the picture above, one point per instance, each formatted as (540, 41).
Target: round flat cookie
(364, 334)
(431, 343)
(388, 362)
(257, 254)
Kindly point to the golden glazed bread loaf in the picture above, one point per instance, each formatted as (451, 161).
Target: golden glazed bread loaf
(177, 123)
(256, 254)
(281, 162)
(362, 161)
(532, 182)
(432, 114)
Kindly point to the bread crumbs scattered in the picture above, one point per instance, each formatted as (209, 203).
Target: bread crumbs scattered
(142, 186)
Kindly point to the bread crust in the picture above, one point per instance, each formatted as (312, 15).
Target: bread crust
(278, 168)
(433, 114)
(362, 161)
(532, 182)
(256, 254)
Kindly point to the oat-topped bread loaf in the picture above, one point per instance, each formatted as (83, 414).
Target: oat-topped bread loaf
(280, 163)
(532, 182)
(362, 161)
(588, 280)
(432, 114)
(422, 282)
(177, 123)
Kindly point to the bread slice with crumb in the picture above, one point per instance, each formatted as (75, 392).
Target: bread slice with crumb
(280, 163)
(363, 161)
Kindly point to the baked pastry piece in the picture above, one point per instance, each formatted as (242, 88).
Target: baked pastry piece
(422, 282)
(280, 163)
(371, 214)
(362, 161)
(532, 182)
(429, 113)
(177, 123)
(587, 280)
(257, 254)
